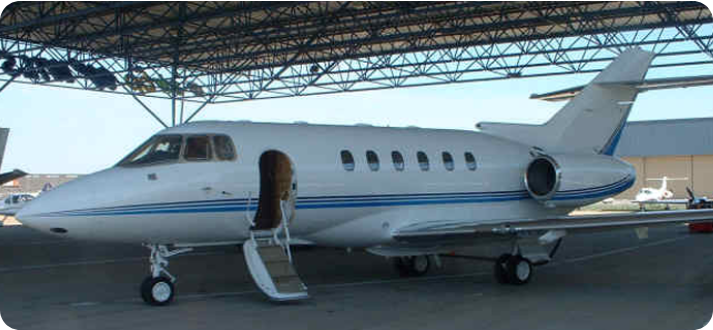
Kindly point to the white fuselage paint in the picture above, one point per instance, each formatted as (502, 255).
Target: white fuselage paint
(203, 202)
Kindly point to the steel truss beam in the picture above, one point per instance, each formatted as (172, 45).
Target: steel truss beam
(218, 52)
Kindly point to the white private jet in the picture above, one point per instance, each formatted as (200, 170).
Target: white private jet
(661, 195)
(406, 193)
(14, 202)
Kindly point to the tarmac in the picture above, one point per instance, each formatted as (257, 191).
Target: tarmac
(602, 281)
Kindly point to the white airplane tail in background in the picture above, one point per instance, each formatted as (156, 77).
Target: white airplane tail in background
(665, 180)
(3, 141)
(592, 121)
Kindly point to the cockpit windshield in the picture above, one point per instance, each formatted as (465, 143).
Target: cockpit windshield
(158, 149)
(168, 148)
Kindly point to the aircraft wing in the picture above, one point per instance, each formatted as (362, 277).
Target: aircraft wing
(9, 176)
(548, 230)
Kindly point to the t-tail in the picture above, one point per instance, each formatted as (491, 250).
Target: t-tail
(591, 122)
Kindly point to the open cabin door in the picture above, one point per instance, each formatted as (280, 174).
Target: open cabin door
(277, 185)
(267, 252)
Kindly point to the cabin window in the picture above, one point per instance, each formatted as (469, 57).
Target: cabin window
(448, 161)
(158, 149)
(347, 160)
(398, 160)
(470, 161)
(197, 148)
(373, 160)
(224, 149)
(422, 160)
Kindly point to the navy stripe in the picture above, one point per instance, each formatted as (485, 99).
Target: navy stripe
(314, 202)
(345, 198)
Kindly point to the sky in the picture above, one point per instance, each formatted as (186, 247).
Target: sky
(55, 130)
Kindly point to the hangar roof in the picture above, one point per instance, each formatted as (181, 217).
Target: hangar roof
(253, 35)
(211, 52)
(667, 138)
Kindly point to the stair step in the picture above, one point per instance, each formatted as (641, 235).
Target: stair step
(291, 284)
(280, 269)
(269, 254)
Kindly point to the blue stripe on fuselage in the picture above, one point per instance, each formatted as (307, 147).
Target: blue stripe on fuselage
(321, 202)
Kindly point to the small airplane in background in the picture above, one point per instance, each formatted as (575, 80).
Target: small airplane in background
(14, 202)
(662, 195)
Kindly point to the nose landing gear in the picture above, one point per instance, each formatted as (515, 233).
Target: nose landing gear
(158, 289)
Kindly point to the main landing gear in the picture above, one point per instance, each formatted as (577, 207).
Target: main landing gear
(517, 267)
(158, 289)
(513, 269)
(412, 266)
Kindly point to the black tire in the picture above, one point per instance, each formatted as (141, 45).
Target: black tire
(419, 265)
(500, 269)
(519, 270)
(410, 266)
(157, 291)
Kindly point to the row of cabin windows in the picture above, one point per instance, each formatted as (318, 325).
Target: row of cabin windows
(372, 159)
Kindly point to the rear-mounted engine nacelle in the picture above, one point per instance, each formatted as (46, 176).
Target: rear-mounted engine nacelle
(542, 178)
(563, 180)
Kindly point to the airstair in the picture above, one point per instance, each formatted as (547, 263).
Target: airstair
(269, 259)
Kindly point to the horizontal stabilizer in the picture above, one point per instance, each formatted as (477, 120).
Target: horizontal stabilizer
(524, 133)
(9, 176)
(643, 86)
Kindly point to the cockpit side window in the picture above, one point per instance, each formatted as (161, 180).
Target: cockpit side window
(197, 148)
(158, 149)
(224, 149)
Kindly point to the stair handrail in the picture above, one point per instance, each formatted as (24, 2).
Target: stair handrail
(248, 218)
(285, 227)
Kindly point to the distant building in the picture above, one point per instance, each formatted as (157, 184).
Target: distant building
(33, 183)
(681, 148)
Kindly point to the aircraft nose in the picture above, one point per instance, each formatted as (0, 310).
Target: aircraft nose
(59, 211)
(37, 214)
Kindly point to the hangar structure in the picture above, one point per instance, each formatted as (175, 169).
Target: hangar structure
(200, 53)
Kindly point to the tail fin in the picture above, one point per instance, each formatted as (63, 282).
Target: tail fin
(3, 140)
(592, 121)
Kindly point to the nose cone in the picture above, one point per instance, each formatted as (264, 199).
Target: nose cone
(39, 213)
(51, 211)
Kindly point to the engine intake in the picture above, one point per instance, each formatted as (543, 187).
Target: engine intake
(542, 178)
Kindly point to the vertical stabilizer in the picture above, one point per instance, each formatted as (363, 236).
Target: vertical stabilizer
(592, 121)
(3, 140)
